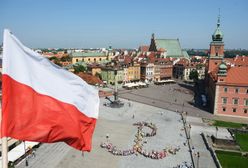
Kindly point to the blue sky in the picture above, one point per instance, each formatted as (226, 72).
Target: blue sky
(123, 23)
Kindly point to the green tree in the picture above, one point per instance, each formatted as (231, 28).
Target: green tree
(65, 59)
(55, 60)
(79, 68)
(193, 75)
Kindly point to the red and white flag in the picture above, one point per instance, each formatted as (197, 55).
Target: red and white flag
(43, 102)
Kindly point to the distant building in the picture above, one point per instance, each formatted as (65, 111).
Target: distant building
(133, 72)
(108, 74)
(88, 57)
(179, 71)
(131, 69)
(147, 71)
(94, 68)
(226, 80)
(167, 47)
(163, 69)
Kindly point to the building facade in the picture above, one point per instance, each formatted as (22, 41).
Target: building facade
(226, 84)
(108, 75)
(90, 57)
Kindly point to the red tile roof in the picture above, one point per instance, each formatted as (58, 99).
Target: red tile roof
(237, 76)
(93, 80)
(127, 59)
(238, 60)
(183, 61)
(144, 48)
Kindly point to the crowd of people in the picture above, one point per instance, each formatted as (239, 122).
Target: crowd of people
(184, 165)
(139, 143)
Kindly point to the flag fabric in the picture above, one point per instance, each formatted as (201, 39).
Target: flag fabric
(43, 102)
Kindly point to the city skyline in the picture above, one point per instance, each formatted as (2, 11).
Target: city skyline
(123, 24)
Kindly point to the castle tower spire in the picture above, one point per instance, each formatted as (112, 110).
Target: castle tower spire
(216, 47)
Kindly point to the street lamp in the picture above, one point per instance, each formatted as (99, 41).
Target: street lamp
(189, 129)
(216, 131)
(198, 158)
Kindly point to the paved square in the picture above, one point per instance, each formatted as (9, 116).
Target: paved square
(118, 124)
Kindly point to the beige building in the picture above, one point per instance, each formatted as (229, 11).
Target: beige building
(90, 57)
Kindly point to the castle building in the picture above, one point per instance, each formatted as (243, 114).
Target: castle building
(226, 85)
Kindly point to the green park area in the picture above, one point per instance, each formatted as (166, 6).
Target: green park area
(232, 159)
(228, 124)
(242, 140)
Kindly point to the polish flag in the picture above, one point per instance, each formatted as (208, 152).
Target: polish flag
(42, 102)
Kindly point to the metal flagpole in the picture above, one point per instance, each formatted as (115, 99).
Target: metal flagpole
(4, 147)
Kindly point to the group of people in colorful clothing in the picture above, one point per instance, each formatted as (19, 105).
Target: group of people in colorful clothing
(138, 146)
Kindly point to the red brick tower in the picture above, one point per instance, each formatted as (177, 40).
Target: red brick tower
(216, 49)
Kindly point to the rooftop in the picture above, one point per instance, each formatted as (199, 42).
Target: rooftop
(237, 76)
(88, 54)
(171, 45)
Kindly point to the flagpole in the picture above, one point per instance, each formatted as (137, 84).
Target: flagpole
(4, 152)
(4, 147)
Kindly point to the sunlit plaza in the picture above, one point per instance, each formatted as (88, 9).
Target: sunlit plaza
(115, 126)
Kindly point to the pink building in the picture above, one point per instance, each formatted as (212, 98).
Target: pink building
(226, 80)
(231, 91)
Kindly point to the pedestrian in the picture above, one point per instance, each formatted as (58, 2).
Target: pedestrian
(133, 116)
(33, 154)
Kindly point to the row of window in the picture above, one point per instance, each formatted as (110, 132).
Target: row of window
(234, 110)
(149, 73)
(100, 59)
(133, 72)
(236, 90)
(235, 101)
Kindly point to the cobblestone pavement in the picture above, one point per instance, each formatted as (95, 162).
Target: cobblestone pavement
(118, 124)
(173, 97)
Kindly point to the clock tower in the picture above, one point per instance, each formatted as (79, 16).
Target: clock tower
(216, 49)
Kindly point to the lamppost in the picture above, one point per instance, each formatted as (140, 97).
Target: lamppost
(198, 158)
(189, 129)
(216, 131)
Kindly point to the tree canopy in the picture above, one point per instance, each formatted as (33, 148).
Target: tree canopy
(79, 68)
(193, 75)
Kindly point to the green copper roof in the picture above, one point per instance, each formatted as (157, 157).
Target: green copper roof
(185, 54)
(222, 66)
(218, 35)
(171, 45)
(87, 54)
